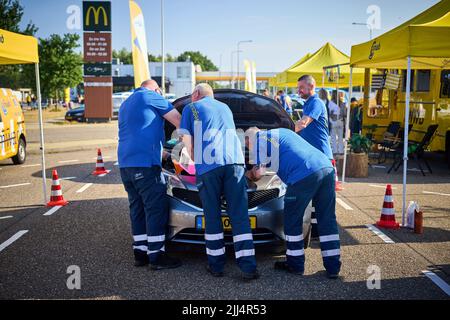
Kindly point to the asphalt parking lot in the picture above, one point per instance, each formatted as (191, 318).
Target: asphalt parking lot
(92, 233)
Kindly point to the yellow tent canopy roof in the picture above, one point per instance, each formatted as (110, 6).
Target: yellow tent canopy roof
(17, 49)
(425, 38)
(328, 55)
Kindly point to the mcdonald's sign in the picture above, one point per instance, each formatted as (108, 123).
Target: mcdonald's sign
(96, 15)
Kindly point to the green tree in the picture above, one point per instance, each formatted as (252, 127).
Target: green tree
(12, 76)
(60, 65)
(197, 58)
(124, 55)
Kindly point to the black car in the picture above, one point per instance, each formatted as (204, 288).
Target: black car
(76, 114)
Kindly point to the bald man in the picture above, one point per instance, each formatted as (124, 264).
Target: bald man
(141, 137)
(219, 165)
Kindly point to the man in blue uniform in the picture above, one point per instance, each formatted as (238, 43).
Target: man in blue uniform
(308, 174)
(141, 133)
(209, 134)
(313, 126)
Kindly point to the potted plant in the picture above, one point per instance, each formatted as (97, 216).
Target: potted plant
(358, 158)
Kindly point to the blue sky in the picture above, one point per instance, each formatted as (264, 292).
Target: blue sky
(282, 31)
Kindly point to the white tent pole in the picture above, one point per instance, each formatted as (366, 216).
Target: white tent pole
(41, 130)
(405, 143)
(347, 130)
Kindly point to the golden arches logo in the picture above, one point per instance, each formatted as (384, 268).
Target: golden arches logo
(96, 12)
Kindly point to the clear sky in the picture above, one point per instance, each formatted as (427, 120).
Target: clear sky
(282, 30)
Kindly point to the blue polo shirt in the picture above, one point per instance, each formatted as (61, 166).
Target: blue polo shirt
(297, 159)
(141, 129)
(316, 133)
(210, 123)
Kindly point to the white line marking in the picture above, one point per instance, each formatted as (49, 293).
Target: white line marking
(66, 161)
(438, 193)
(83, 188)
(437, 281)
(67, 178)
(378, 186)
(377, 231)
(343, 204)
(12, 239)
(5, 217)
(15, 185)
(378, 167)
(52, 210)
(30, 165)
(414, 169)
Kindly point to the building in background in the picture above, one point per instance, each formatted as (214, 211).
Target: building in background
(180, 76)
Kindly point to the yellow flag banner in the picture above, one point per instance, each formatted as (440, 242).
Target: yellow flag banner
(248, 76)
(138, 45)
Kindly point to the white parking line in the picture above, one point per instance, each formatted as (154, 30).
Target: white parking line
(378, 186)
(52, 210)
(5, 217)
(438, 193)
(438, 281)
(343, 204)
(67, 161)
(30, 165)
(377, 231)
(67, 178)
(83, 188)
(12, 239)
(15, 185)
(379, 167)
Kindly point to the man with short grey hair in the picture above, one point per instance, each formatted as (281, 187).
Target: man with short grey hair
(219, 165)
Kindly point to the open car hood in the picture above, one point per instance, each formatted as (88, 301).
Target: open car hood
(249, 110)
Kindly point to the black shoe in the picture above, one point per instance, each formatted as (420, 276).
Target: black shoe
(216, 274)
(164, 261)
(140, 263)
(140, 258)
(283, 265)
(247, 276)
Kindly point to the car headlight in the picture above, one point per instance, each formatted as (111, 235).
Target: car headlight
(276, 183)
(172, 181)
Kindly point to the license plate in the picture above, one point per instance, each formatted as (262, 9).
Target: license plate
(200, 222)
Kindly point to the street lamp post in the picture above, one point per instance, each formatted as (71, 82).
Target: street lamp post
(163, 73)
(231, 55)
(238, 44)
(364, 24)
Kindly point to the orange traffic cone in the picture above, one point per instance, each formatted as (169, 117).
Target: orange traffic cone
(100, 166)
(387, 219)
(338, 185)
(56, 197)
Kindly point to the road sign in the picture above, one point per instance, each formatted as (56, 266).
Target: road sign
(96, 16)
(97, 47)
(97, 69)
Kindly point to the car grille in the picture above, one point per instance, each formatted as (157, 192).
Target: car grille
(255, 198)
(195, 236)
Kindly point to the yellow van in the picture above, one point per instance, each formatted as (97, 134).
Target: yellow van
(430, 104)
(12, 128)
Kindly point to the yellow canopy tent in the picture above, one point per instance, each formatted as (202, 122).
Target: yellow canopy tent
(328, 55)
(19, 49)
(420, 43)
(281, 78)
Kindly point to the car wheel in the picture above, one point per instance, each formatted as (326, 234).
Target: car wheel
(21, 155)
